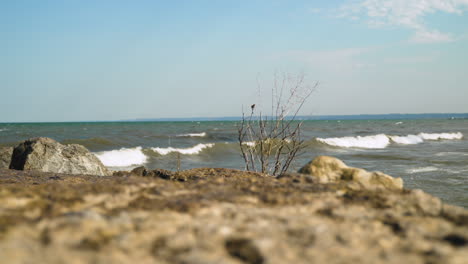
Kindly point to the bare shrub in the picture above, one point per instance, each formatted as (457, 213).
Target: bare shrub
(270, 143)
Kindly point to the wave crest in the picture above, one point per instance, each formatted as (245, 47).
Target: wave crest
(203, 134)
(123, 157)
(370, 142)
(187, 151)
(439, 136)
(381, 141)
(407, 140)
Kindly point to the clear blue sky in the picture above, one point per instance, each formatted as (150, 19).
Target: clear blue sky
(110, 59)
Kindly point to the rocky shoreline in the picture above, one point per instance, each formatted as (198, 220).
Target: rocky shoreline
(328, 213)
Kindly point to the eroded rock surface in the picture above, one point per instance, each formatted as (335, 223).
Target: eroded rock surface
(47, 155)
(5, 157)
(221, 216)
(329, 169)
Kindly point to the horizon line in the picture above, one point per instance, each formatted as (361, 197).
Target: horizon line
(237, 118)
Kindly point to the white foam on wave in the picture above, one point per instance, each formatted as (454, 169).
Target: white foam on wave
(407, 140)
(3, 129)
(398, 123)
(439, 136)
(421, 169)
(203, 134)
(187, 151)
(249, 143)
(382, 141)
(421, 137)
(369, 142)
(123, 157)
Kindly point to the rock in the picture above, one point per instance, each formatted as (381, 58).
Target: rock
(329, 169)
(161, 173)
(244, 249)
(5, 157)
(221, 216)
(455, 214)
(47, 155)
(326, 169)
(426, 203)
(120, 173)
(140, 171)
(144, 172)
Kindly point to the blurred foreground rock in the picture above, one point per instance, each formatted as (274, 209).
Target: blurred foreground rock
(221, 216)
(329, 169)
(47, 155)
(5, 157)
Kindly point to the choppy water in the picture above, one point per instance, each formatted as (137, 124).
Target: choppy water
(428, 154)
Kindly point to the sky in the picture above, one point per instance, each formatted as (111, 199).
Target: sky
(116, 60)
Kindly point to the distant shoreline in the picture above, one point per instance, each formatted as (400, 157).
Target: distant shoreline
(305, 118)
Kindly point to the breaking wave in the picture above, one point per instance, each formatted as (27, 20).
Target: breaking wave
(370, 142)
(381, 141)
(427, 136)
(187, 151)
(407, 140)
(421, 137)
(128, 157)
(123, 157)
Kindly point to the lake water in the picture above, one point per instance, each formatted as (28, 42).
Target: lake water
(428, 154)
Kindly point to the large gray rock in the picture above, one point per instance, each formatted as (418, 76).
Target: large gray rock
(5, 157)
(47, 155)
(329, 169)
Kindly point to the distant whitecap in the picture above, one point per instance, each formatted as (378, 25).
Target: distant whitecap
(421, 169)
(249, 143)
(203, 134)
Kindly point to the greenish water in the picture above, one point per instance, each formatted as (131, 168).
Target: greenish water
(428, 154)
